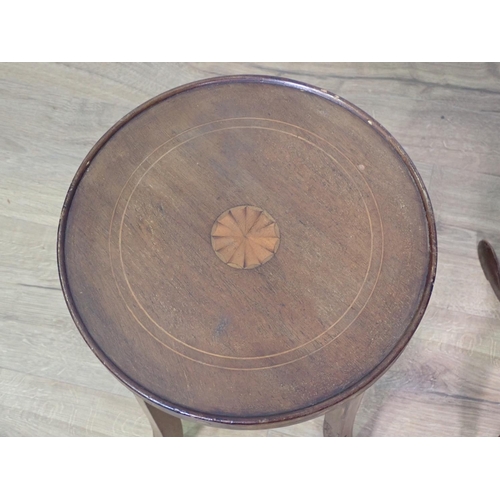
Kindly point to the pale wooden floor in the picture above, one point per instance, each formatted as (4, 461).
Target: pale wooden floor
(447, 117)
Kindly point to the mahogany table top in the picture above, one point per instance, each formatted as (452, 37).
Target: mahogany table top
(247, 250)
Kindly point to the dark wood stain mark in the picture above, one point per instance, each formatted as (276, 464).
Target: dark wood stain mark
(39, 286)
(464, 398)
(221, 327)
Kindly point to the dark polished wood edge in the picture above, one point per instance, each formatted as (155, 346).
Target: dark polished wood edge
(490, 265)
(267, 421)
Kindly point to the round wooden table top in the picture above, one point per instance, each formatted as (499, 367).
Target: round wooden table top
(247, 250)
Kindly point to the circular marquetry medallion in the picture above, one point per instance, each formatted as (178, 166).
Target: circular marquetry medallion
(245, 237)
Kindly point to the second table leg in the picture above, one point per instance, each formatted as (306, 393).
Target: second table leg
(339, 421)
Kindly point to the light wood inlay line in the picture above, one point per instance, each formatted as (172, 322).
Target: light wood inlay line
(371, 207)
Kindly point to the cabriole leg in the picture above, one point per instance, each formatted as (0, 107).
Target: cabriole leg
(163, 424)
(339, 421)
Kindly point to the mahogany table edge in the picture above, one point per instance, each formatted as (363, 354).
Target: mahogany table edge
(268, 421)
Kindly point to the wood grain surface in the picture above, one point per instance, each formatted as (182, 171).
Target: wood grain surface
(446, 116)
(278, 342)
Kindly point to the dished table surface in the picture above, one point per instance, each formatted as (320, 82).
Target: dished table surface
(333, 263)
